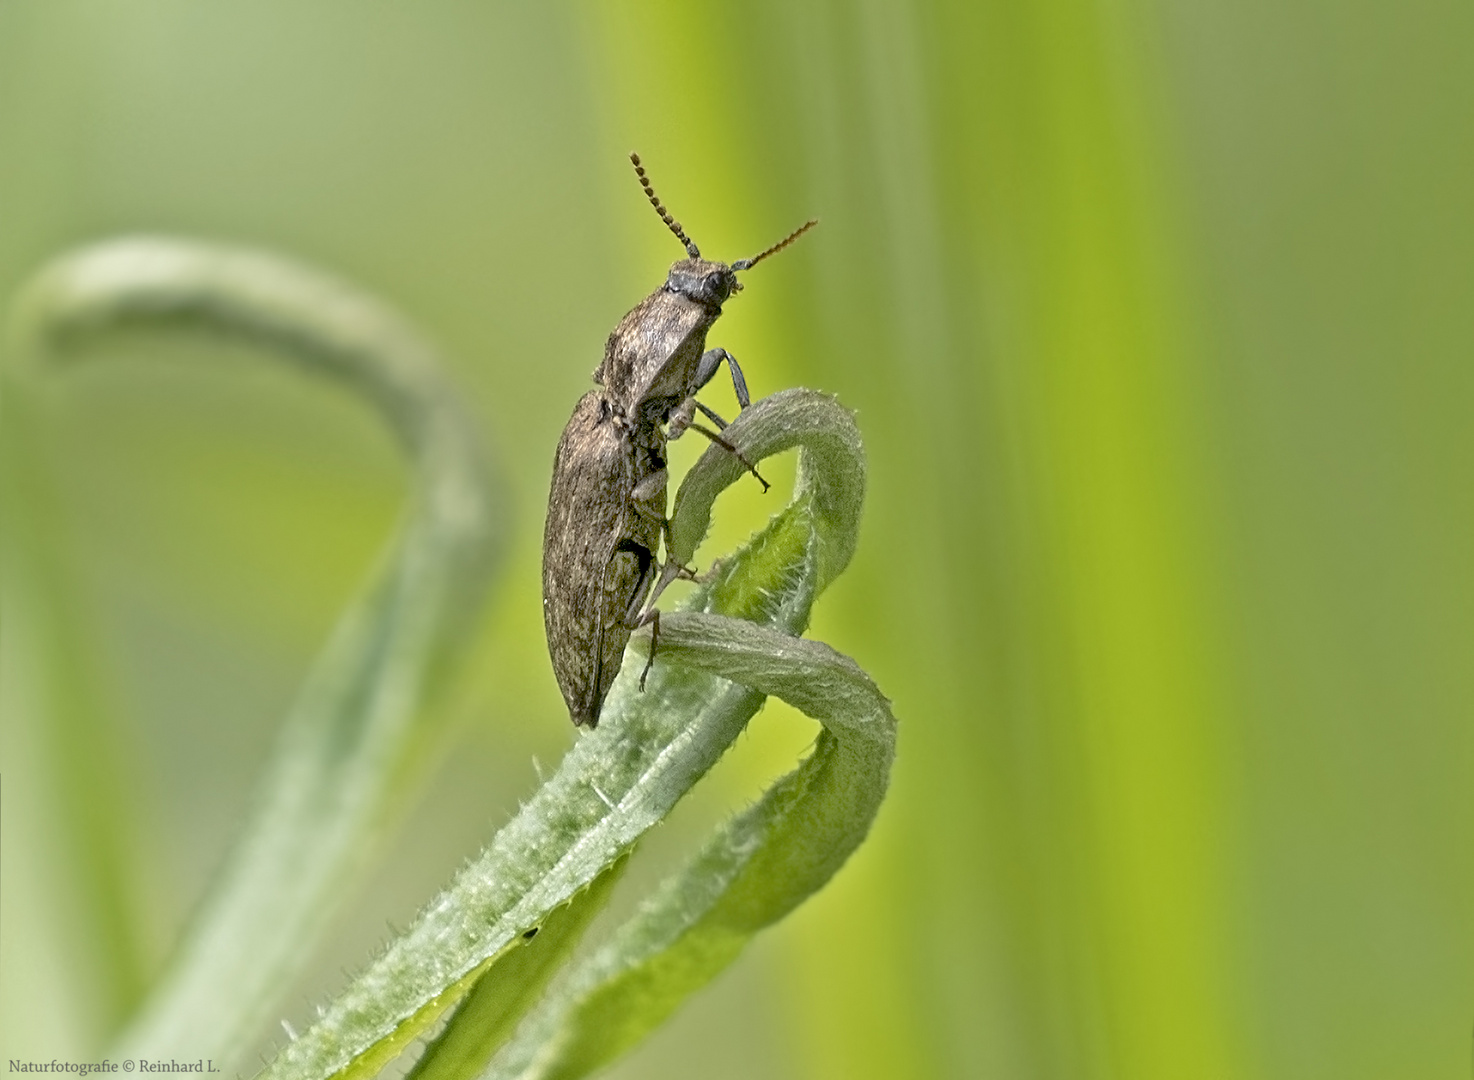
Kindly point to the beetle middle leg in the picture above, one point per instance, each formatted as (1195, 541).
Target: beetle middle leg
(729, 448)
(643, 493)
(648, 500)
(683, 414)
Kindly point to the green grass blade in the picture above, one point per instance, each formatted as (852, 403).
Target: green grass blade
(57, 699)
(511, 986)
(343, 748)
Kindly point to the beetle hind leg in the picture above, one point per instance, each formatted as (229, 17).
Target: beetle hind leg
(647, 613)
(652, 616)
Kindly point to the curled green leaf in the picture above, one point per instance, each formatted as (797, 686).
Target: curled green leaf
(756, 869)
(734, 644)
(343, 748)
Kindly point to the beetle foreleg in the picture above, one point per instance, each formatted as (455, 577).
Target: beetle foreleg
(710, 361)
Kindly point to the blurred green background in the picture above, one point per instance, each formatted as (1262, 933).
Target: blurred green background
(1157, 318)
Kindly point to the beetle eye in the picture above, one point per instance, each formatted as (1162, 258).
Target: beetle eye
(716, 287)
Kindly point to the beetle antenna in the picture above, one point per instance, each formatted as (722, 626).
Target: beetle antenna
(670, 223)
(744, 264)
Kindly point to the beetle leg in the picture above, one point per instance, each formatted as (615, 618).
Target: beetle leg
(710, 361)
(671, 571)
(712, 416)
(681, 417)
(643, 502)
(729, 448)
(653, 618)
(648, 566)
(648, 488)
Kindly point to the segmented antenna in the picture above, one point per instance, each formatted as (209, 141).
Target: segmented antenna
(744, 264)
(670, 223)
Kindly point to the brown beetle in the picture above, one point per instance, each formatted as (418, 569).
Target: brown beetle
(605, 516)
(606, 509)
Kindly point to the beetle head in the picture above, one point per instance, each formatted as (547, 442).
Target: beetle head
(707, 283)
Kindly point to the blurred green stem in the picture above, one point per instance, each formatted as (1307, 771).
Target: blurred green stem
(82, 792)
(343, 748)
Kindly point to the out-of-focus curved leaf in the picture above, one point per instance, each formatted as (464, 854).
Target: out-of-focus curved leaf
(342, 750)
